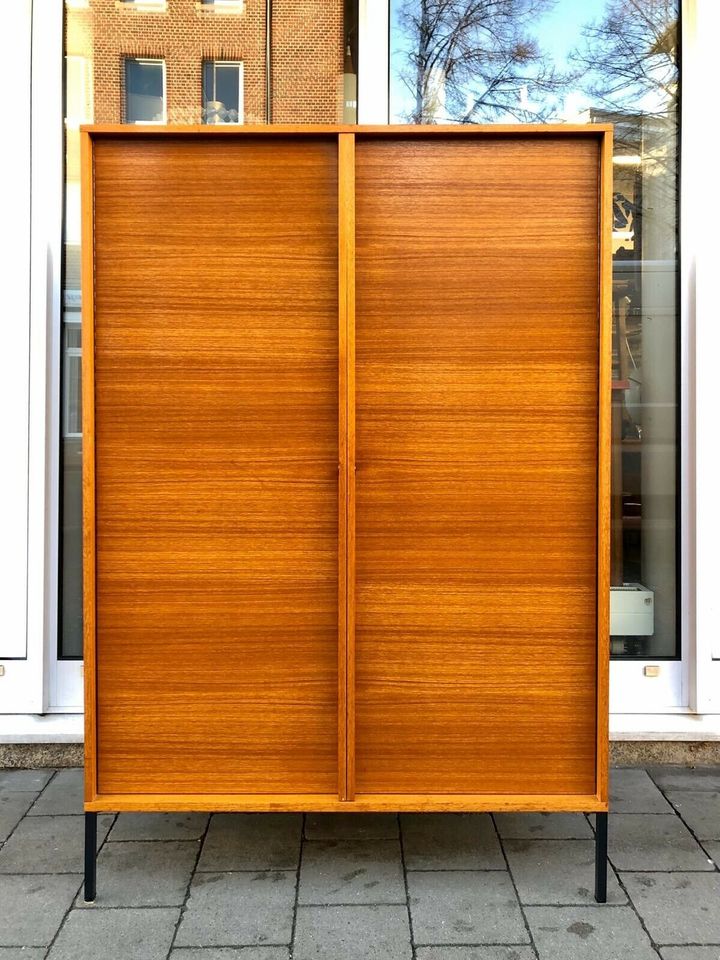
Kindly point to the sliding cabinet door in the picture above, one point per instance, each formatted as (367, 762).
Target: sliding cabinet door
(216, 464)
(476, 464)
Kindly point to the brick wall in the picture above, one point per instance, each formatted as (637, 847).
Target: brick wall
(307, 57)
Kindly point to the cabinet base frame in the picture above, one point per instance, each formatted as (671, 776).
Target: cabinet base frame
(601, 831)
(601, 843)
(90, 857)
(329, 803)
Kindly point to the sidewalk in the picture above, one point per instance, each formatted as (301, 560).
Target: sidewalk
(363, 887)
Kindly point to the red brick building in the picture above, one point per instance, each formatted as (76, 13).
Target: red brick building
(306, 63)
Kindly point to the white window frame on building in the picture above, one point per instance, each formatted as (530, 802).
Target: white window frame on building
(146, 61)
(218, 117)
(36, 687)
(145, 6)
(229, 4)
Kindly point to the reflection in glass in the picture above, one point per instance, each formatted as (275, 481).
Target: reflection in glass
(616, 61)
(144, 93)
(178, 62)
(222, 92)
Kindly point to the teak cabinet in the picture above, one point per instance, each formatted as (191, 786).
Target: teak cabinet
(346, 467)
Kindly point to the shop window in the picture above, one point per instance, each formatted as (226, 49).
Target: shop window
(604, 61)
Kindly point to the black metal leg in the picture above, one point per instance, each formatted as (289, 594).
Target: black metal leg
(90, 856)
(601, 834)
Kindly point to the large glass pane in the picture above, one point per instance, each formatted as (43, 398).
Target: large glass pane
(151, 61)
(484, 61)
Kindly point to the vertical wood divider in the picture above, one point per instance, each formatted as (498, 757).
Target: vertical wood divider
(346, 484)
(88, 461)
(604, 460)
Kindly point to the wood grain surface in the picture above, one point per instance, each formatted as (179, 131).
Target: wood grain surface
(346, 443)
(346, 478)
(216, 438)
(477, 447)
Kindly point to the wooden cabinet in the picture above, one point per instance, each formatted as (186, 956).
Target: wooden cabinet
(346, 469)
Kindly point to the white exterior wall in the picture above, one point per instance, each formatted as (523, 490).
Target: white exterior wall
(685, 704)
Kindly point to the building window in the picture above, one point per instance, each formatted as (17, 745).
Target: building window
(222, 92)
(144, 4)
(144, 91)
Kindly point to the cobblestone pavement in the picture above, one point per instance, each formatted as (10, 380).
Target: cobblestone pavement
(363, 887)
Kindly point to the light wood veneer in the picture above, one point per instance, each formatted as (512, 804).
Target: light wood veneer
(346, 467)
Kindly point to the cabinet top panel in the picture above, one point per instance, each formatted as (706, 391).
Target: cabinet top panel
(527, 130)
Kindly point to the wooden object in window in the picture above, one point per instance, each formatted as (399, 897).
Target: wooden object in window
(346, 467)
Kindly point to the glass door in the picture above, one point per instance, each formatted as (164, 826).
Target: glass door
(130, 64)
(597, 61)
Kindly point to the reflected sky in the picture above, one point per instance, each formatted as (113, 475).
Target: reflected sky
(557, 32)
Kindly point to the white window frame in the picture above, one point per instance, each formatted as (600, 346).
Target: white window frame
(15, 241)
(146, 123)
(231, 5)
(33, 67)
(39, 683)
(241, 90)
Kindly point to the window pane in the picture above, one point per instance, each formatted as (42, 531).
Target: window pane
(485, 61)
(222, 92)
(143, 91)
(108, 79)
(227, 87)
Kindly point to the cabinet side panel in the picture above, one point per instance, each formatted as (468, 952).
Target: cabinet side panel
(477, 448)
(216, 428)
(88, 470)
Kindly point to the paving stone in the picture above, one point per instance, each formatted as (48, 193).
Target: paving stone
(159, 826)
(677, 908)
(49, 845)
(557, 871)
(588, 933)
(13, 807)
(22, 953)
(653, 842)
(229, 953)
(252, 841)
(713, 848)
(352, 933)
(465, 907)
(116, 935)
(543, 826)
(238, 908)
(351, 871)
(64, 795)
(684, 953)
(700, 809)
(632, 791)
(33, 908)
(351, 826)
(686, 778)
(450, 841)
(24, 781)
(138, 874)
(476, 953)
